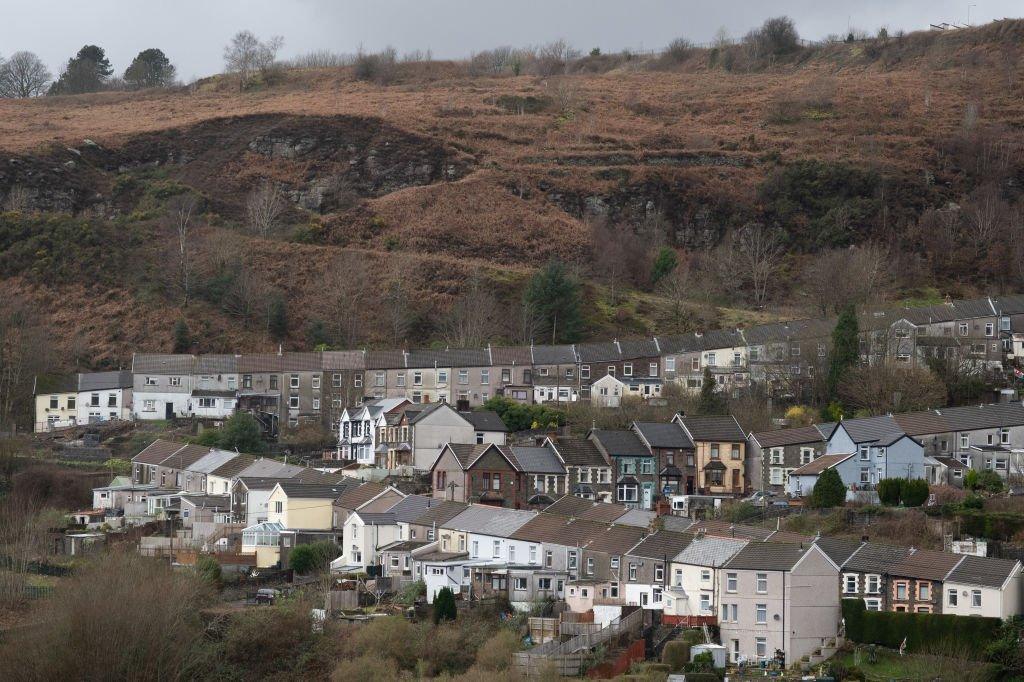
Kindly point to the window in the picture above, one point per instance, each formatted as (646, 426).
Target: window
(670, 363)
(924, 591)
(357, 380)
(316, 404)
(874, 584)
(613, 563)
(573, 557)
(151, 381)
(873, 604)
(976, 598)
(417, 378)
(400, 379)
(273, 382)
(94, 400)
(278, 506)
(865, 453)
(315, 381)
(761, 647)
(962, 329)
(762, 583)
(965, 441)
(762, 614)
(735, 451)
(485, 376)
(293, 402)
(519, 583)
(72, 401)
(632, 572)
(584, 371)
(533, 554)
(951, 597)
(990, 329)
(627, 370)
(901, 591)
(54, 402)
(479, 437)
(511, 554)
(627, 492)
(849, 583)
(207, 403)
(496, 549)
(714, 451)
(590, 565)
(775, 456)
(548, 558)
(659, 573)
(613, 590)
(611, 370)
(730, 582)
(544, 583)
(463, 376)
(705, 576)
(806, 455)
(1004, 436)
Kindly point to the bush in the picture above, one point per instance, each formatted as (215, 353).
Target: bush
(496, 652)
(913, 492)
(889, 491)
(410, 593)
(366, 669)
(314, 557)
(444, 605)
(829, 491)
(241, 432)
(520, 417)
(923, 631)
(208, 570)
(676, 654)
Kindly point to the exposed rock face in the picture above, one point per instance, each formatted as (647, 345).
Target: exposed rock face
(321, 163)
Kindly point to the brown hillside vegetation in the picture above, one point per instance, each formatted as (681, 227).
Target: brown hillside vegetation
(442, 176)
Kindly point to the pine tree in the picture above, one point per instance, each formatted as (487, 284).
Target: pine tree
(664, 263)
(87, 71)
(829, 491)
(444, 605)
(845, 350)
(710, 401)
(182, 338)
(150, 69)
(553, 295)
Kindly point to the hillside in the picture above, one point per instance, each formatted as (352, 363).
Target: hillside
(399, 194)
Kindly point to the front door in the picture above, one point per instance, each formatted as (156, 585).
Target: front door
(168, 410)
(648, 493)
(735, 480)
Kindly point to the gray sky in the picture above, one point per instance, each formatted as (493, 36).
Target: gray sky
(193, 32)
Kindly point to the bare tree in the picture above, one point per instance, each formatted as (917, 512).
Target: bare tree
(471, 320)
(522, 323)
(179, 218)
(552, 59)
(682, 308)
(264, 208)
(247, 296)
(885, 388)
(747, 259)
(397, 312)
(842, 277)
(246, 55)
(25, 350)
(986, 214)
(18, 200)
(24, 75)
(350, 299)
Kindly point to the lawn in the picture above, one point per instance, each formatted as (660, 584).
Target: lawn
(889, 665)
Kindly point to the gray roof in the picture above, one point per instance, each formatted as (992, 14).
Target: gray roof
(641, 518)
(639, 348)
(97, 381)
(207, 501)
(217, 364)
(767, 556)
(344, 359)
(983, 571)
(664, 544)
(870, 429)
(157, 363)
(875, 558)
(211, 461)
(801, 435)
(579, 452)
(411, 507)
(535, 460)
(714, 428)
(676, 523)
(554, 355)
(604, 351)
(269, 468)
(310, 491)
(620, 443)
(839, 550)
(710, 551)
(377, 518)
(662, 435)
(484, 420)
(488, 520)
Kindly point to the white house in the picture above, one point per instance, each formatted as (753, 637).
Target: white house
(692, 594)
(359, 428)
(980, 586)
(161, 385)
(440, 424)
(608, 391)
(104, 396)
(364, 533)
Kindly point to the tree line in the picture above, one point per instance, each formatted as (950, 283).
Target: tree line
(24, 74)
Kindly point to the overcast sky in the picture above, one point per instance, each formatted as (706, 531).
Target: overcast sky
(193, 32)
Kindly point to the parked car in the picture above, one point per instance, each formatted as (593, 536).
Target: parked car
(266, 595)
(761, 498)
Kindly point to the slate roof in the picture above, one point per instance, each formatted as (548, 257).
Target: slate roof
(839, 550)
(403, 546)
(98, 381)
(676, 523)
(952, 463)
(469, 357)
(234, 467)
(620, 443)
(284, 362)
(617, 539)
(385, 359)
(554, 355)
(264, 467)
(983, 571)
(579, 452)
(801, 435)
(875, 558)
(485, 420)
(819, 464)
(606, 351)
(639, 348)
(185, 456)
(157, 451)
(925, 564)
(886, 441)
(710, 551)
(343, 359)
(641, 518)
(536, 460)
(312, 491)
(662, 545)
(487, 520)
(570, 505)
(157, 363)
(767, 556)
(211, 461)
(261, 483)
(725, 529)
(558, 530)
(216, 364)
(377, 518)
(870, 429)
(207, 501)
(439, 512)
(511, 355)
(663, 435)
(410, 507)
(714, 428)
(467, 453)
(353, 498)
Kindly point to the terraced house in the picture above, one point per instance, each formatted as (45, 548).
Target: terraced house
(720, 446)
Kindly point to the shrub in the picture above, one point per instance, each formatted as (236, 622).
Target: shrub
(391, 638)
(829, 491)
(496, 652)
(679, 50)
(444, 605)
(520, 417)
(240, 432)
(314, 557)
(676, 654)
(889, 491)
(208, 570)
(913, 492)
(366, 668)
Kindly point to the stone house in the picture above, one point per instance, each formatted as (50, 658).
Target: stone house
(720, 446)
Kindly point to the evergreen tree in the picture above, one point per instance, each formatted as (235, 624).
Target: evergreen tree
(845, 350)
(317, 335)
(710, 401)
(182, 338)
(553, 295)
(664, 263)
(150, 69)
(87, 71)
(444, 605)
(277, 318)
(829, 491)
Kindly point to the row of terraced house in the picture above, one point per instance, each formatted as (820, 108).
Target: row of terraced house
(290, 387)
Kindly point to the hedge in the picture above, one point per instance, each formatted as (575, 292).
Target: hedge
(966, 635)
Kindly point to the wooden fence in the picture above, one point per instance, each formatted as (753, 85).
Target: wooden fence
(569, 657)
